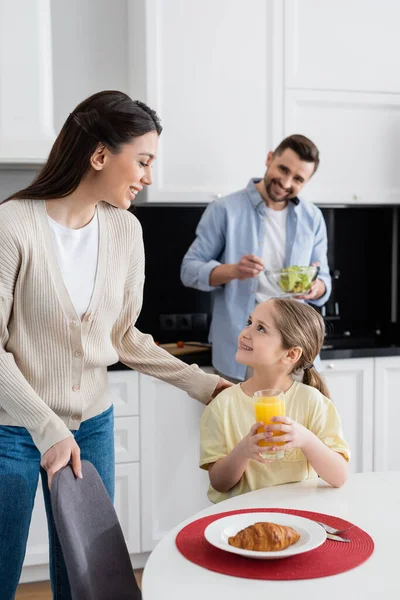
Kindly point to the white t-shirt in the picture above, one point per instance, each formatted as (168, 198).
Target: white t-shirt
(273, 252)
(77, 253)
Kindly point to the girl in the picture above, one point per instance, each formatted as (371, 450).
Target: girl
(71, 282)
(281, 339)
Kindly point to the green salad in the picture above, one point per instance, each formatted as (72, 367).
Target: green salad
(296, 280)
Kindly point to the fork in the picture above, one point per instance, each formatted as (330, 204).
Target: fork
(334, 531)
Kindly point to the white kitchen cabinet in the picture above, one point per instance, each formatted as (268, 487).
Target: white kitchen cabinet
(342, 45)
(124, 388)
(173, 487)
(387, 414)
(26, 84)
(127, 503)
(348, 128)
(351, 386)
(207, 66)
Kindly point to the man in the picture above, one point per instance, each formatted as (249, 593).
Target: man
(264, 226)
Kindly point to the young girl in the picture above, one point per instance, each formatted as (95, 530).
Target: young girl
(281, 340)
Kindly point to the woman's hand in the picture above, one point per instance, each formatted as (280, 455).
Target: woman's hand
(293, 435)
(222, 384)
(59, 455)
(248, 446)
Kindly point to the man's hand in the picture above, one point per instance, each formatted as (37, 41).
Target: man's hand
(248, 266)
(318, 288)
(59, 455)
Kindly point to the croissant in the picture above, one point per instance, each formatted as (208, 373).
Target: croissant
(264, 537)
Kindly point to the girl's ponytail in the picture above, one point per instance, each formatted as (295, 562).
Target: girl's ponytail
(300, 325)
(313, 378)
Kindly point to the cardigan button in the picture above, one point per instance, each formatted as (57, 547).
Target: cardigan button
(76, 387)
(75, 417)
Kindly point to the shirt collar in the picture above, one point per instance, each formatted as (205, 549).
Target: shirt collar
(256, 199)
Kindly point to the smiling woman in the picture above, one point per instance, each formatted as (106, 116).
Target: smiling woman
(106, 146)
(71, 284)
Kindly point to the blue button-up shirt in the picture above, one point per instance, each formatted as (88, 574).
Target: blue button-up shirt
(230, 228)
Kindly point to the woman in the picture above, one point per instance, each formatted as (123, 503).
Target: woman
(71, 282)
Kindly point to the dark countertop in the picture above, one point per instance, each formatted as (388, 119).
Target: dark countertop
(336, 353)
(204, 358)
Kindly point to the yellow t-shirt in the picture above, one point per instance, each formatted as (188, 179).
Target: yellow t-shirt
(228, 418)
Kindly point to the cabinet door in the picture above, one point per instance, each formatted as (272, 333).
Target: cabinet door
(173, 486)
(347, 128)
(127, 503)
(387, 414)
(342, 45)
(350, 383)
(206, 75)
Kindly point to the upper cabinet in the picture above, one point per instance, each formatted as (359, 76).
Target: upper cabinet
(231, 80)
(53, 54)
(26, 87)
(341, 88)
(342, 45)
(358, 138)
(228, 79)
(207, 77)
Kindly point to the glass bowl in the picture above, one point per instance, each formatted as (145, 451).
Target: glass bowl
(293, 281)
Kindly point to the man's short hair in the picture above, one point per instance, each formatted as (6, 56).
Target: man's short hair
(305, 149)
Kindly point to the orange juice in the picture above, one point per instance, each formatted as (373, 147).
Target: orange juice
(265, 408)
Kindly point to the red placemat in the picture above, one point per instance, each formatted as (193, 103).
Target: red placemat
(329, 559)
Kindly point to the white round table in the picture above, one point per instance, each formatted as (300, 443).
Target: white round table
(369, 500)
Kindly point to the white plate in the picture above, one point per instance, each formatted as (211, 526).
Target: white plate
(312, 535)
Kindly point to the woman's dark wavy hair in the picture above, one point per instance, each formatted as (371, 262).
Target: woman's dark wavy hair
(109, 117)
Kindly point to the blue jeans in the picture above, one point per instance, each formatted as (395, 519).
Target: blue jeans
(19, 474)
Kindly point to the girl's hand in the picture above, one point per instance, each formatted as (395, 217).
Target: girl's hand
(59, 455)
(294, 434)
(248, 447)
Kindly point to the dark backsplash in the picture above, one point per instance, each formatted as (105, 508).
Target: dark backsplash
(169, 307)
(362, 251)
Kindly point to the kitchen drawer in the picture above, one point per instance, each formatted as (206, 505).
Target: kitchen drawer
(124, 386)
(126, 443)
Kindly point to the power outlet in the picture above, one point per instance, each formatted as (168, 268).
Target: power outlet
(168, 322)
(200, 321)
(184, 322)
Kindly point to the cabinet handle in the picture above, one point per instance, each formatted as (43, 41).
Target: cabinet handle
(356, 197)
(216, 196)
(331, 366)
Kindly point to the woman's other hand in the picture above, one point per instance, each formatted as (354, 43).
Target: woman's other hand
(59, 455)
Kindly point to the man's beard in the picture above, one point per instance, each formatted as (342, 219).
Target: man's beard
(270, 193)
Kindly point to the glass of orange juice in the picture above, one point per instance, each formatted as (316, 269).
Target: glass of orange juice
(268, 404)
